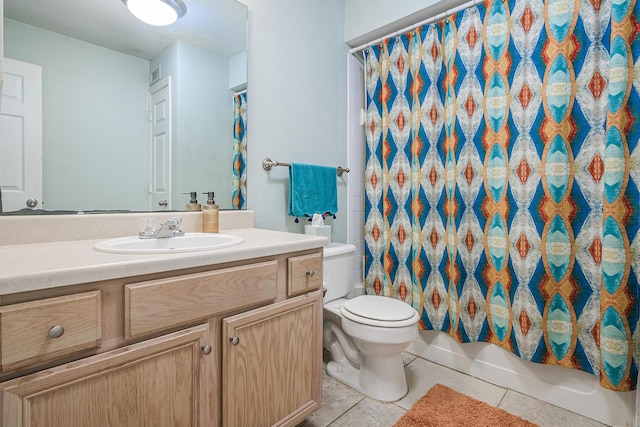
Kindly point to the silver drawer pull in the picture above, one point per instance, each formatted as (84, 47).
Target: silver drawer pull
(311, 273)
(234, 340)
(206, 349)
(56, 331)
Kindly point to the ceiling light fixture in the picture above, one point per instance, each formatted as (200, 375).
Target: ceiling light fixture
(157, 12)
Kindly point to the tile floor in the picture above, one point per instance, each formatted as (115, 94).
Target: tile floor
(345, 407)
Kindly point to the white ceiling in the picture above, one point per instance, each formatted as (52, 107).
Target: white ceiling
(215, 25)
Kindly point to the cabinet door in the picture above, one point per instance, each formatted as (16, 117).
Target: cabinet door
(272, 363)
(153, 383)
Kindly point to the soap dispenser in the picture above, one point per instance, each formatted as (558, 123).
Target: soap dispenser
(210, 213)
(193, 204)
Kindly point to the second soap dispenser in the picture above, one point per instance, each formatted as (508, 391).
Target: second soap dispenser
(193, 204)
(210, 213)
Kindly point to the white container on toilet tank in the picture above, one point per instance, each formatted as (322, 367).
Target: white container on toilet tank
(320, 230)
(365, 335)
(317, 227)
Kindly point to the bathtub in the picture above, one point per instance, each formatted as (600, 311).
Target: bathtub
(570, 389)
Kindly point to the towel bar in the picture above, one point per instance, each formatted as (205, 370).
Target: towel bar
(267, 164)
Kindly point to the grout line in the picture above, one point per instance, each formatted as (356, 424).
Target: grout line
(506, 390)
(348, 409)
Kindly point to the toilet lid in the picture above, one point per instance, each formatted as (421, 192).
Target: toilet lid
(376, 310)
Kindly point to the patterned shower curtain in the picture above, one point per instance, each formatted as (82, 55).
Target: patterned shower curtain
(502, 179)
(239, 167)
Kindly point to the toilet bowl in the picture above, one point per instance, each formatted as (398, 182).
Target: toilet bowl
(364, 335)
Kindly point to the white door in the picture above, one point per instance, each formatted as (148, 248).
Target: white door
(160, 146)
(21, 136)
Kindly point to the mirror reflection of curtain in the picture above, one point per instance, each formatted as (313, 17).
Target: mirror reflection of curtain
(502, 180)
(239, 193)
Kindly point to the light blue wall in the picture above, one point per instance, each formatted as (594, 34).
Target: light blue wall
(297, 101)
(78, 142)
(204, 124)
(238, 71)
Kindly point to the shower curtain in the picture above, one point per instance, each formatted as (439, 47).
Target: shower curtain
(502, 178)
(239, 167)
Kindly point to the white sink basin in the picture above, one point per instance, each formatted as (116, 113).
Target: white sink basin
(190, 242)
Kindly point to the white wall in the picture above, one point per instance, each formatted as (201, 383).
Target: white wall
(297, 107)
(367, 20)
(356, 164)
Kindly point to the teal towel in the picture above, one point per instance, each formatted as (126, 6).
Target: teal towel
(312, 189)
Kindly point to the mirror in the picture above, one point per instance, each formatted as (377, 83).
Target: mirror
(101, 68)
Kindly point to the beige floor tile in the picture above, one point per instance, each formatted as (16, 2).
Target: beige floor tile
(345, 407)
(337, 399)
(370, 413)
(407, 358)
(542, 413)
(422, 375)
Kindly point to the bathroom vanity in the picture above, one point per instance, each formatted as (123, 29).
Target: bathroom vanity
(228, 337)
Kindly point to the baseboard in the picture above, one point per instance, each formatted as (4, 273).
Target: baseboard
(573, 390)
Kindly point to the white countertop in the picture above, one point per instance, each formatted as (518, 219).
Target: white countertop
(34, 266)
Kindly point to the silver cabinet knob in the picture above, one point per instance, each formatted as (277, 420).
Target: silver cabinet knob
(206, 349)
(32, 203)
(56, 331)
(163, 203)
(311, 273)
(234, 340)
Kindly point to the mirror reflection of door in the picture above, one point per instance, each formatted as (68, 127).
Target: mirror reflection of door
(160, 145)
(21, 136)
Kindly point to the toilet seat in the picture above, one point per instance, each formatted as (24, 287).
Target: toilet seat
(379, 311)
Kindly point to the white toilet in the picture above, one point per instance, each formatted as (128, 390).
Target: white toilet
(365, 335)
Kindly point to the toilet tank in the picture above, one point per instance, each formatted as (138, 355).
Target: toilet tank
(338, 270)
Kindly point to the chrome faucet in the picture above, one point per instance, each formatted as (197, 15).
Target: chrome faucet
(169, 228)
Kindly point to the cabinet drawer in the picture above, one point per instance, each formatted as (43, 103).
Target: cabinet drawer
(28, 330)
(157, 305)
(305, 273)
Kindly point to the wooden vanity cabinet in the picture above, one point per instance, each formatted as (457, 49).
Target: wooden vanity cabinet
(225, 345)
(272, 363)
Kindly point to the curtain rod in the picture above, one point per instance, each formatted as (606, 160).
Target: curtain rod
(429, 20)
